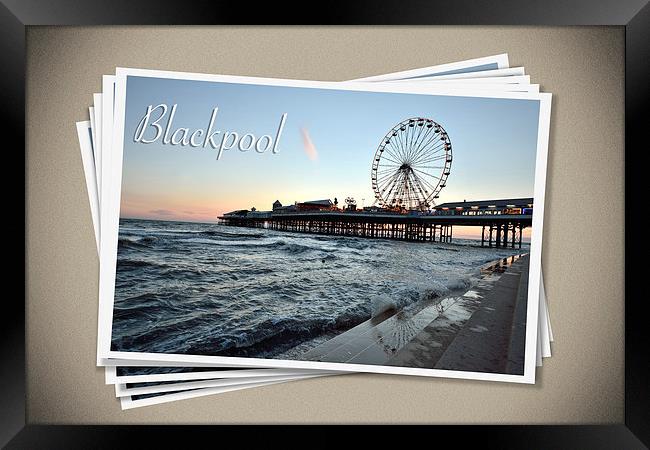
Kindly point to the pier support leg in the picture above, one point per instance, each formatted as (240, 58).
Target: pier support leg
(490, 241)
(498, 237)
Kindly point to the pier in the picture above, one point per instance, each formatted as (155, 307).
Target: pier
(500, 227)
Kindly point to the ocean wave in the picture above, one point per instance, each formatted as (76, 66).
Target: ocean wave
(265, 338)
(230, 235)
(434, 289)
(188, 329)
(196, 330)
(281, 245)
(354, 243)
(217, 290)
(213, 242)
(217, 233)
(273, 336)
(136, 312)
(143, 242)
(293, 248)
(123, 263)
(148, 238)
(380, 304)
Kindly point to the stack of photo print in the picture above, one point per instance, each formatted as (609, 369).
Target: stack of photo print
(254, 231)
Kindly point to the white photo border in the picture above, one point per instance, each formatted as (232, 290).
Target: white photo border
(109, 243)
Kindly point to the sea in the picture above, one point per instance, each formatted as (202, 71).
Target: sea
(212, 289)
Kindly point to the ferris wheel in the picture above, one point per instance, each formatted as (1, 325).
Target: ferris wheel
(411, 165)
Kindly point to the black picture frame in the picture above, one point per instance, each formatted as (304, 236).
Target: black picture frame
(634, 15)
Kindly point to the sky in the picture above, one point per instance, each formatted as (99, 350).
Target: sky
(325, 151)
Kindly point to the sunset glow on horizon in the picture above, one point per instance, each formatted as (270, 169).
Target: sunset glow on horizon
(325, 150)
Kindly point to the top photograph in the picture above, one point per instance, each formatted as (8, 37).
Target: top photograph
(327, 228)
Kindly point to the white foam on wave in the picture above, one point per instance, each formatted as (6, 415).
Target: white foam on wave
(472, 294)
(381, 303)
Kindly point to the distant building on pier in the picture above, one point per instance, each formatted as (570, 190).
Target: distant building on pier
(486, 207)
(279, 209)
(316, 205)
(260, 214)
(236, 213)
